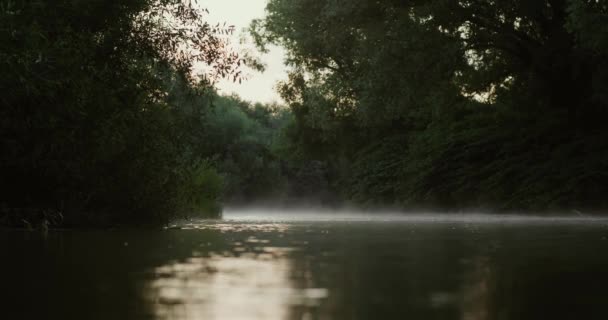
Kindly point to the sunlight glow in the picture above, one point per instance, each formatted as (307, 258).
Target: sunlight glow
(258, 87)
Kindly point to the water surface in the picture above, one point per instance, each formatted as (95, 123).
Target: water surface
(259, 264)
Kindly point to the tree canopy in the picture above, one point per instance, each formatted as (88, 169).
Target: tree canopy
(450, 103)
(101, 108)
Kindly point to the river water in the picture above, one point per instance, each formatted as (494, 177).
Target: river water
(259, 264)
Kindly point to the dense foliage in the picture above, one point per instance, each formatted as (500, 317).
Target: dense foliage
(108, 113)
(101, 111)
(456, 104)
(253, 152)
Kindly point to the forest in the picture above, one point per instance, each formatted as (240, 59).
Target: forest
(107, 117)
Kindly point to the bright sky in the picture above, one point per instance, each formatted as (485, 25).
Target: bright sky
(260, 87)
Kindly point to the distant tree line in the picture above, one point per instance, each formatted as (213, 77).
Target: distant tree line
(251, 143)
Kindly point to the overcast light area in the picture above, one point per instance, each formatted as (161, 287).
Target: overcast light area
(259, 87)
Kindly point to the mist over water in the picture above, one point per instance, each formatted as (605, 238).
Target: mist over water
(253, 214)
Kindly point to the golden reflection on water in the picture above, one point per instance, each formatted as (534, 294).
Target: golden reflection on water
(236, 227)
(250, 281)
(478, 290)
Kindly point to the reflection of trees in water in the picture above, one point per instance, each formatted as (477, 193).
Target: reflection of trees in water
(527, 277)
(369, 272)
(314, 300)
(438, 272)
(562, 276)
(381, 272)
(87, 274)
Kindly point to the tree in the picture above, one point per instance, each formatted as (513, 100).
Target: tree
(91, 130)
(442, 96)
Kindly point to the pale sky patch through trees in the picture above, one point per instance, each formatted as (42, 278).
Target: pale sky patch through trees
(259, 87)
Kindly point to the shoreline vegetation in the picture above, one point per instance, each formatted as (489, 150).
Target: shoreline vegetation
(436, 104)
